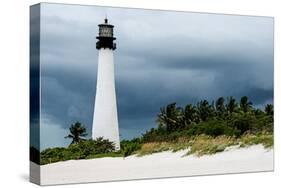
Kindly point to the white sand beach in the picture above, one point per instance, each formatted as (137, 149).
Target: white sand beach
(158, 165)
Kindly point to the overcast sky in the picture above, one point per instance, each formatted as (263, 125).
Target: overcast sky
(161, 57)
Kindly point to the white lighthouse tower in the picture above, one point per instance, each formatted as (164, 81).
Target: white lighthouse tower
(105, 120)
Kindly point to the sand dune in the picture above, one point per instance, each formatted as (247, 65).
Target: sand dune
(164, 164)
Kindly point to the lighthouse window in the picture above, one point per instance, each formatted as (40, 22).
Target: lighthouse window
(106, 31)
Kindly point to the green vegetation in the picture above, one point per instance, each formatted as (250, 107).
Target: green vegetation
(204, 128)
(85, 149)
(129, 147)
(215, 119)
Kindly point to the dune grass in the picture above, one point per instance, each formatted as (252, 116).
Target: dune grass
(265, 139)
(206, 145)
(113, 154)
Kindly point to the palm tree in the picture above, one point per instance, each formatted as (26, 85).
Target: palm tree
(220, 105)
(231, 105)
(77, 131)
(245, 104)
(269, 109)
(190, 114)
(170, 117)
(204, 110)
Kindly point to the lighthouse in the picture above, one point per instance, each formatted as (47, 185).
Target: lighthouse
(105, 119)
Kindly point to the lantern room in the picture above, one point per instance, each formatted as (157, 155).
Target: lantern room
(105, 37)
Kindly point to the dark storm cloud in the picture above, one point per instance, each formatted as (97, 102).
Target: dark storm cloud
(34, 77)
(161, 57)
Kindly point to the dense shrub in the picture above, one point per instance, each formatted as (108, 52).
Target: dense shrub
(128, 147)
(81, 150)
(51, 155)
(212, 128)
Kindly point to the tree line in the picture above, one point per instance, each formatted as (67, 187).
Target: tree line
(229, 117)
